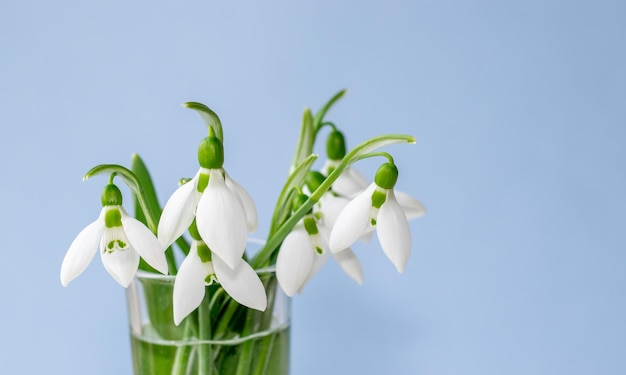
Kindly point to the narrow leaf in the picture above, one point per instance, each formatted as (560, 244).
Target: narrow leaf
(306, 139)
(295, 179)
(144, 178)
(319, 116)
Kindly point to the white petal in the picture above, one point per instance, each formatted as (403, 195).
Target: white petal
(189, 286)
(319, 240)
(393, 232)
(350, 264)
(350, 183)
(144, 242)
(248, 204)
(294, 261)
(178, 212)
(368, 234)
(121, 264)
(81, 251)
(411, 206)
(352, 221)
(241, 283)
(331, 207)
(319, 260)
(221, 220)
(346, 258)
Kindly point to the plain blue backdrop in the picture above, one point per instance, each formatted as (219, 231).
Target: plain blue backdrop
(519, 109)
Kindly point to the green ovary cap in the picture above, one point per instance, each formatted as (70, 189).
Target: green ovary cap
(204, 252)
(111, 196)
(193, 231)
(378, 198)
(386, 176)
(335, 145)
(313, 180)
(211, 153)
(113, 218)
(310, 225)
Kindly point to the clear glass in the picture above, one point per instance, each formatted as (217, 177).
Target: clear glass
(220, 338)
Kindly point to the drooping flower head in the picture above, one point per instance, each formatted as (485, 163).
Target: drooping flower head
(376, 208)
(305, 250)
(203, 267)
(223, 209)
(122, 240)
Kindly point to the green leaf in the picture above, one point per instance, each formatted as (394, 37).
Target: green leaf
(208, 116)
(295, 180)
(306, 139)
(144, 178)
(319, 116)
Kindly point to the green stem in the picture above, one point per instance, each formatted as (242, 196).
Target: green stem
(205, 355)
(253, 352)
(181, 360)
(266, 344)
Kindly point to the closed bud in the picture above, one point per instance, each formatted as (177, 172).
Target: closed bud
(299, 200)
(211, 153)
(313, 180)
(386, 176)
(111, 196)
(335, 145)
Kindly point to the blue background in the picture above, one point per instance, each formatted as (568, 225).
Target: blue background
(519, 109)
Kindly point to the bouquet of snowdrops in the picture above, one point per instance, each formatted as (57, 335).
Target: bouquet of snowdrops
(220, 290)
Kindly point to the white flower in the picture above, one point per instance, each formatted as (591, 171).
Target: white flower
(224, 211)
(303, 254)
(121, 240)
(200, 268)
(349, 183)
(362, 216)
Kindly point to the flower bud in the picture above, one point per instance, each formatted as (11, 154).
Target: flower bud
(313, 180)
(111, 196)
(335, 145)
(299, 200)
(211, 153)
(386, 176)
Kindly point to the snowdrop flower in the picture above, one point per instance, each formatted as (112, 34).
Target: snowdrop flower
(352, 183)
(376, 208)
(203, 267)
(223, 209)
(305, 250)
(121, 240)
